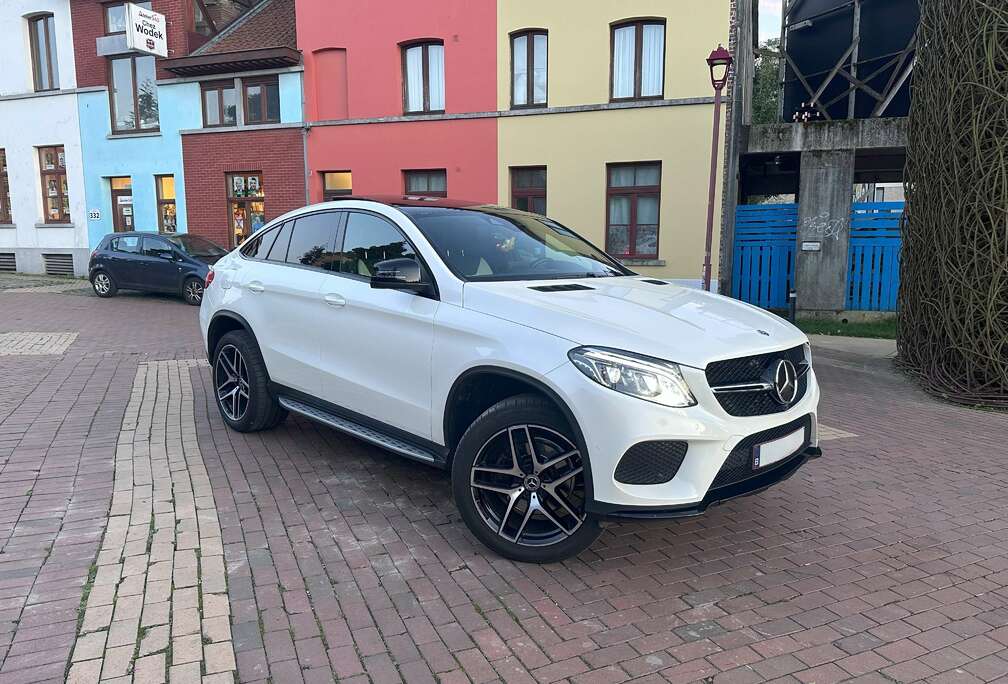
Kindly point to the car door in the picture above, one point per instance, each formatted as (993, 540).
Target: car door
(122, 259)
(157, 267)
(281, 297)
(376, 353)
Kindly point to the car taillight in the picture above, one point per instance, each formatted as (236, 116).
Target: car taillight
(209, 278)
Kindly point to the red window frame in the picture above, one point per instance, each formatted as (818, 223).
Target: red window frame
(58, 175)
(528, 193)
(634, 193)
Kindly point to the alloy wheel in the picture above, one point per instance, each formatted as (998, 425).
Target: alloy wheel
(527, 482)
(102, 284)
(232, 382)
(194, 291)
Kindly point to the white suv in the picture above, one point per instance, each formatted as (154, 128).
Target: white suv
(558, 387)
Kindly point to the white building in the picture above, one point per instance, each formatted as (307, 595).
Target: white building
(43, 221)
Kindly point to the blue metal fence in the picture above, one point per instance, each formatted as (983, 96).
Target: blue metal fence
(873, 265)
(764, 253)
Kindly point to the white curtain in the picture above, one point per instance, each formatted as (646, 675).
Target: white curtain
(623, 62)
(414, 79)
(652, 60)
(435, 57)
(539, 65)
(520, 69)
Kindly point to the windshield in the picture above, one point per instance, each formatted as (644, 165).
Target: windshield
(194, 245)
(491, 243)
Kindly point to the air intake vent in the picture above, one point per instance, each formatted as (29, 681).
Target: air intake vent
(8, 262)
(654, 462)
(59, 264)
(652, 281)
(565, 287)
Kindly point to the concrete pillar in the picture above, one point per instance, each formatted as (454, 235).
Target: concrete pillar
(826, 194)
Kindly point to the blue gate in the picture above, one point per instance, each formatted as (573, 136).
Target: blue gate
(874, 262)
(764, 253)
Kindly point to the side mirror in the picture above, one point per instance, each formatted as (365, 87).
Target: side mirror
(400, 274)
(167, 255)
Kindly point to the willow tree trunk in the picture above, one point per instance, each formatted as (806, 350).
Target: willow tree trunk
(953, 327)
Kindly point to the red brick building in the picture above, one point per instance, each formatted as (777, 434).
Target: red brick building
(245, 166)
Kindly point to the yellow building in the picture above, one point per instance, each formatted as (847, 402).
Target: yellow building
(608, 116)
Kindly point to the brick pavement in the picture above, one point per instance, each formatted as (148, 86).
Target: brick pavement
(887, 560)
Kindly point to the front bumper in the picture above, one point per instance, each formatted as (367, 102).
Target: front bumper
(611, 423)
(768, 478)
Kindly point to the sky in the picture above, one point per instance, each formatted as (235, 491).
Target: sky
(769, 19)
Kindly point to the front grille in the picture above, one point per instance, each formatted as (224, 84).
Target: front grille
(738, 466)
(759, 368)
(654, 462)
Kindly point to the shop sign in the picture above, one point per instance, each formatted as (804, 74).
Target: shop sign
(146, 31)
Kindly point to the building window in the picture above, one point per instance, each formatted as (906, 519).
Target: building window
(262, 100)
(45, 68)
(336, 184)
(5, 208)
(528, 69)
(246, 200)
(428, 183)
(528, 189)
(220, 104)
(638, 60)
(115, 16)
(55, 202)
(423, 77)
(633, 195)
(134, 94)
(166, 216)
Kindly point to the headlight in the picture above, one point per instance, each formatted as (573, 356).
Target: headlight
(639, 376)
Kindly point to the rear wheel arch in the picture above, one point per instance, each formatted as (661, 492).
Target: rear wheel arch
(491, 384)
(221, 324)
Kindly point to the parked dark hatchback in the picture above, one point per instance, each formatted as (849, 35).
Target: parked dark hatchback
(154, 262)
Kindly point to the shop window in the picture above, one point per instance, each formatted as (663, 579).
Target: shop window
(528, 189)
(134, 94)
(55, 201)
(638, 60)
(45, 68)
(429, 182)
(247, 202)
(220, 104)
(423, 77)
(633, 196)
(336, 184)
(262, 100)
(5, 207)
(528, 69)
(165, 185)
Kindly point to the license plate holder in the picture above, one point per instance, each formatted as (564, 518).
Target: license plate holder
(776, 450)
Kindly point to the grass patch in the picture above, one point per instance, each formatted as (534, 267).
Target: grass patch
(883, 328)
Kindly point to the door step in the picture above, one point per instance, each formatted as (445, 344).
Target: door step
(363, 432)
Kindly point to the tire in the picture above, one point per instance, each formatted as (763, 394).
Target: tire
(260, 410)
(521, 509)
(103, 284)
(192, 291)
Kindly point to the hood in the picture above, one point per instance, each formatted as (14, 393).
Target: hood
(670, 322)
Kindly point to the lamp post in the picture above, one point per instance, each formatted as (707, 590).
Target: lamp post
(719, 61)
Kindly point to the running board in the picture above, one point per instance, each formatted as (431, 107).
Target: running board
(367, 434)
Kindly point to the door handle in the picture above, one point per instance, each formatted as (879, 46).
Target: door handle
(256, 287)
(334, 299)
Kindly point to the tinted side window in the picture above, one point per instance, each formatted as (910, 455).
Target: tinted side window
(154, 247)
(259, 246)
(278, 252)
(127, 243)
(311, 243)
(370, 239)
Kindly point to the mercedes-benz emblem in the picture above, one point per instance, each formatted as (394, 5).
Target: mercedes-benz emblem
(785, 382)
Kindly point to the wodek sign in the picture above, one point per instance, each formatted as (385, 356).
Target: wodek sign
(146, 31)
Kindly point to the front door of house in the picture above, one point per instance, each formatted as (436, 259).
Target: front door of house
(122, 204)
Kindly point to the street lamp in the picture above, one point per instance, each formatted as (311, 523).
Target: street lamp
(720, 62)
